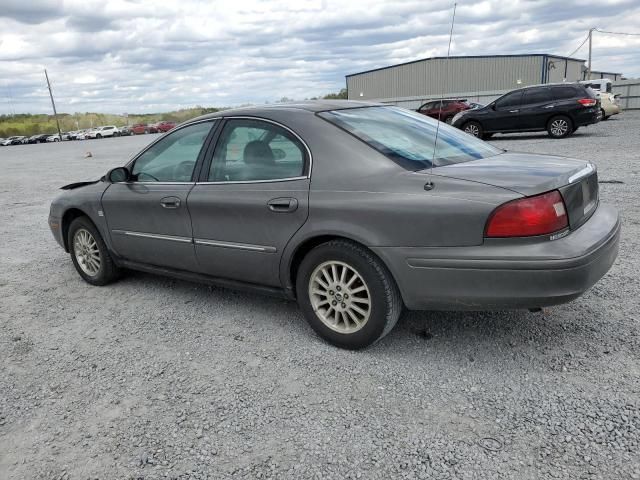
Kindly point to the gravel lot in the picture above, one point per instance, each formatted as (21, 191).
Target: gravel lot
(156, 378)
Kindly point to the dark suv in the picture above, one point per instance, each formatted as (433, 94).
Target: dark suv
(559, 109)
(444, 112)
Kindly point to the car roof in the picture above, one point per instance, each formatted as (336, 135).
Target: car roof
(312, 106)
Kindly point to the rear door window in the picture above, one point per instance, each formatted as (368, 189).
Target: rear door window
(536, 95)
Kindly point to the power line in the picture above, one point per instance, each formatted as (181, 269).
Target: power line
(617, 33)
(583, 42)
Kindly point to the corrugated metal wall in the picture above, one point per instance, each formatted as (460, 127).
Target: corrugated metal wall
(435, 76)
(629, 91)
(559, 69)
(466, 76)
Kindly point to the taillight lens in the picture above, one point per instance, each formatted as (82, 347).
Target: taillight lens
(587, 102)
(525, 217)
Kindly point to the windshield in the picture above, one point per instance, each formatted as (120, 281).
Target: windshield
(408, 138)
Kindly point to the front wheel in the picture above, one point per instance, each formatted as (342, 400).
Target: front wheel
(89, 253)
(560, 127)
(98, 136)
(473, 128)
(347, 294)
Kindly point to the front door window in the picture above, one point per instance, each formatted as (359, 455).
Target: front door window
(173, 158)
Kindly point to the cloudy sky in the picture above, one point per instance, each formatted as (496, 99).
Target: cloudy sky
(156, 55)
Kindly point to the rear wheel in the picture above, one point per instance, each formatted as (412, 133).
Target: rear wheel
(98, 136)
(560, 127)
(473, 128)
(89, 253)
(347, 295)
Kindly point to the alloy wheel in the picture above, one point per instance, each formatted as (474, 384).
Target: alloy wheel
(85, 248)
(340, 297)
(559, 127)
(472, 129)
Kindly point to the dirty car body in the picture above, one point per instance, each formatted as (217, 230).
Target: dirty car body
(442, 225)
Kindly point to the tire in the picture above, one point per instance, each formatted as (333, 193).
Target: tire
(560, 126)
(380, 290)
(56, 139)
(98, 136)
(448, 120)
(473, 128)
(83, 237)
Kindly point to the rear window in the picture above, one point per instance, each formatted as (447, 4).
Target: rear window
(563, 93)
(408, 138)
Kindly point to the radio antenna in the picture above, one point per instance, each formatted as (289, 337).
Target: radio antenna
(435, 145)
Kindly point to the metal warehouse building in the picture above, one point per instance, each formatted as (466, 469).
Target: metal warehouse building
(479, 78)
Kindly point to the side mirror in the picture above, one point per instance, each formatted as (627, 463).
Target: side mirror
(119, 174)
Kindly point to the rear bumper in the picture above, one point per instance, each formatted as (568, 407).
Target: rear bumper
(587, 116)
(505, 275)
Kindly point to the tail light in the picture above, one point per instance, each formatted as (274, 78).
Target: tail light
(525, 217)
(587, 102)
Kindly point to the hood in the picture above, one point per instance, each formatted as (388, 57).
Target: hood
(524, 173)
(72, 186)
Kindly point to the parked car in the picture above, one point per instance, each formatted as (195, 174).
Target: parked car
(58, 137)
(73, 135)
(152, 128)
(245, 208)
(125, 131)
(609, 105)
(165, 126)
(102, 132)
(139, 128)
(560, 109)
(443, 110)
(15, 140)
(82, 134)
(40, 138)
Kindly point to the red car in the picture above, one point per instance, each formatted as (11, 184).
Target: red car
(139, 129)
(165, 126)
(446, 111)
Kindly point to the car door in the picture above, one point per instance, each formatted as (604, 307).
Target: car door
(250, 201)
(505, 113)
(536, 108)
(148, 218)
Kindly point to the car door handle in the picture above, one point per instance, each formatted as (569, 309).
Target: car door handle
(170, 202)
(548, 106)
(514, 111)
(283, 205)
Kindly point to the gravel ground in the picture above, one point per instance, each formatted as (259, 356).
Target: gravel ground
(156, 378)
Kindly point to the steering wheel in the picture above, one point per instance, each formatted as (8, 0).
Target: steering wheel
(184, 170)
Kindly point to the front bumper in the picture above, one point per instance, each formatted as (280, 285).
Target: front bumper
(506, 274)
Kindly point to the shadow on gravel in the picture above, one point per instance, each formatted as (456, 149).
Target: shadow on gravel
(544, 136)
(450, 333)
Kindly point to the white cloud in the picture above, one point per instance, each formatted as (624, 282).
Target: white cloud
(145, 55)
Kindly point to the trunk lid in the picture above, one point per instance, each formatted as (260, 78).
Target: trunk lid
(530, 174)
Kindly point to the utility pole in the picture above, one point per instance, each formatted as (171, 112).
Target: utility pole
(53, 104)
(589, 64)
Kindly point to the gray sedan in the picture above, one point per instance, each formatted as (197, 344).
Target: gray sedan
(354, 209)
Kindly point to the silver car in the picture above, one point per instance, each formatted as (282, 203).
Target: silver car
(353, 209)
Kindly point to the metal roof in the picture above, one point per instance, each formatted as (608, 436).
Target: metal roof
(468, 56)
